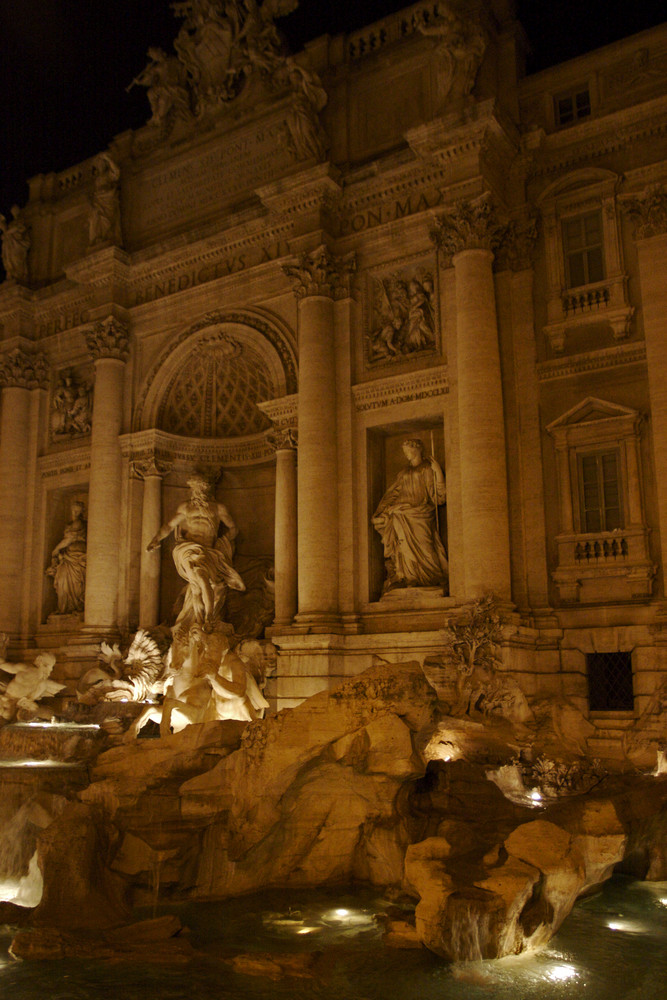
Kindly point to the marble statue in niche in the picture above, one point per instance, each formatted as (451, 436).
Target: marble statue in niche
(71, 407)
(19, 696)
(15, 246)
(201, 557)
(104, 211)
(68, 563)
(403, 317)
(407, 522)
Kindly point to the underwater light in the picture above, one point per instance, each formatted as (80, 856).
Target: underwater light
(536, 795)
(560, 973)
(342, 913)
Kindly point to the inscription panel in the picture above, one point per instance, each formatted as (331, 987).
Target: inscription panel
(192, 186)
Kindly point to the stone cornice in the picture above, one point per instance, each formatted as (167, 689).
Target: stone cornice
(99, 268)
(608, 357)
(188, 453)
(546, 154)
(64, 461)
(281, 412)
(448, 139)
(318, 188)
(395, 389)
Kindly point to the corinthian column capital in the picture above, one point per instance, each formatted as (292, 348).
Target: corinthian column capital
(24, 371)
(108, 339)
(321, 273)
(471, 225)
(647, 211)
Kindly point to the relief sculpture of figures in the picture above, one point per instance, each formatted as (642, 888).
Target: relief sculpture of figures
(406, 521)
(201, 558)
(15, 246)
(403, 317)
(71, 412)
(68, 563)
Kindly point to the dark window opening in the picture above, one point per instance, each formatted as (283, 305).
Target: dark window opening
(610, 682)
(570, 107)
(600, 492)
(582, 242)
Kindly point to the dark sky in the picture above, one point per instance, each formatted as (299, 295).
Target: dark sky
(65, 64)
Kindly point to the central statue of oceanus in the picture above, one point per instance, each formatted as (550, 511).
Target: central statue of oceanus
(202, 557)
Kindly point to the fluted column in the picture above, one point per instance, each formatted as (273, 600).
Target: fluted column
(19, 374)
(151, 472)
(319, 278)
(286, 536)
(108, 345)
(648, 213)
(467, 237)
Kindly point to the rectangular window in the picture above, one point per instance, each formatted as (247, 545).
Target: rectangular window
(572, 106)
(582, 243)
(600, 491)
(610, 682)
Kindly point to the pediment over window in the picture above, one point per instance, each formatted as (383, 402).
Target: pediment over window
(590, 410)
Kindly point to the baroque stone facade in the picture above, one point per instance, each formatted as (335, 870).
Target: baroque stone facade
(287, 254)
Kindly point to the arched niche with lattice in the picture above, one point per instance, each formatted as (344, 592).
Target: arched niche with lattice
(207, 384)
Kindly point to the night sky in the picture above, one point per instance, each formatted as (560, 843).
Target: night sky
(66, 63)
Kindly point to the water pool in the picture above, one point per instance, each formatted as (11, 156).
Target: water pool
(613, 946)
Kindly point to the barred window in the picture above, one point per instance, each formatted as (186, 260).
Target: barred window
(600, 491)
(610, 682)
(582, 245)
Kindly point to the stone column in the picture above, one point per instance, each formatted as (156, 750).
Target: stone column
(19, 374)
(514, 297)
(108, 346)
(151, 472)
(648, 213)
(286, 534)
(319, 278)
(467, 237)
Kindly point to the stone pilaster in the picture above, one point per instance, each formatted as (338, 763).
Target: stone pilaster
(286, 535)
(514, 291)
(319, 278)
(152, 473)
(20, 373)
(648, 212)
(467, 237)
(108, 345)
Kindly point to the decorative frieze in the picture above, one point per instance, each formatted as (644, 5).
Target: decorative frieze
(108, 339)
(24, 371)
(322, 273)
(401, 389)
(648, 211)
(470, 225)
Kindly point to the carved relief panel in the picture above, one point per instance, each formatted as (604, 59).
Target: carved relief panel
(402, 320)
(71, 409)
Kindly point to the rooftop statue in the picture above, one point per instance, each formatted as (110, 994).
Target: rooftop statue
(201, 558)
(406, 522)
(15, 246)
(219, 45)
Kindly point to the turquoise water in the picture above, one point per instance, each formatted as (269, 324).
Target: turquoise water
(613, 946)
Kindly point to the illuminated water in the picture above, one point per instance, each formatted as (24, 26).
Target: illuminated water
(612, 947)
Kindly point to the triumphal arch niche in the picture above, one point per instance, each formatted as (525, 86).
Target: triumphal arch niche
(208, 404)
